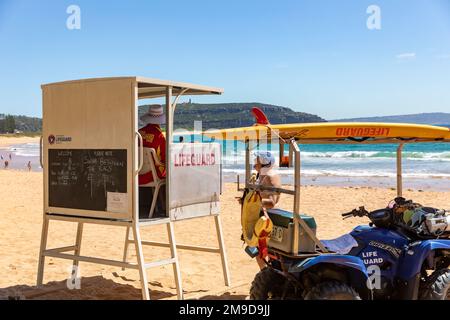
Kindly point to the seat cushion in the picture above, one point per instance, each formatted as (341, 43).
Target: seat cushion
(341, 245)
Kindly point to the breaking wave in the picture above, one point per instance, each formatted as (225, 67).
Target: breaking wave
(442, 156)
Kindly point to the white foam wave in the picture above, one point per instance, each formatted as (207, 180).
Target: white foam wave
(25, 150)
(442, 156)
(349, 173)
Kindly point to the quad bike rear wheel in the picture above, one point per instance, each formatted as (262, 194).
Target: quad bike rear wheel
(267, 285)
(332, 290)
(437, 286)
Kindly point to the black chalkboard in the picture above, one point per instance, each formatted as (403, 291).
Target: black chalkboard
(80, 179)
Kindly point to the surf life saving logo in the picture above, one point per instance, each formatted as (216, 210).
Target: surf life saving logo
(52, 139)
(363, 132)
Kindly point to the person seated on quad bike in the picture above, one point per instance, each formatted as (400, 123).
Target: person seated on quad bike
(256, 226)
(266, 176)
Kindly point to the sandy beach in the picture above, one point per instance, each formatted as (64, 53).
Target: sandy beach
(8, 141)
(21, 221)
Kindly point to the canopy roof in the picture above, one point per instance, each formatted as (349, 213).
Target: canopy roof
(335, 132)
(154, 88)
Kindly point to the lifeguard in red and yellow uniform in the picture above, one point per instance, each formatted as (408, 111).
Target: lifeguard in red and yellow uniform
(153, 137)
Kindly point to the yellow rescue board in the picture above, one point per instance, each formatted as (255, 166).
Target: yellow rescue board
(333, 132)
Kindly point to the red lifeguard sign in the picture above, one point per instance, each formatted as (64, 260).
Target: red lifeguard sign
(195, 197)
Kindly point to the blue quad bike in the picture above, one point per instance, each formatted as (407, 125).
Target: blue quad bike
(387, 261)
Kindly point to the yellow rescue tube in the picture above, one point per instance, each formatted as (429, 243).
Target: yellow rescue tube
(254, 227)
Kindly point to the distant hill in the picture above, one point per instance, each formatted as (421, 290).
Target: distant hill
(216, 116)
(436, 118)
(231, 115)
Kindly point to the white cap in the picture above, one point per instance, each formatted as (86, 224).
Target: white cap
(266, 158)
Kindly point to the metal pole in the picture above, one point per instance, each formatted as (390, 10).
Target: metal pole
(298, 221)
(78, 242)
(296, 150)
(247, 162)
(174, 104)
(291, 155)
(127, 243)
(44, 237)
(169, 126)
(141, 262)
(40, 152)
(169, 132)
(281, 153)
(175, 265)
(223, 253)
(399, 171)
(138, 153)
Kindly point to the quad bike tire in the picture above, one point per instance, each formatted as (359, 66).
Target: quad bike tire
(267, 285)
(332, 290)
(437, 286)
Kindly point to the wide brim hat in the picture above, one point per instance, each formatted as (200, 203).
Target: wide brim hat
(154, 115)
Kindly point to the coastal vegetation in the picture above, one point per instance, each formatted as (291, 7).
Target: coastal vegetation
(20, 125)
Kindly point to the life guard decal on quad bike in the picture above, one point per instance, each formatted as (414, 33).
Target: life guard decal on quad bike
(371, 258)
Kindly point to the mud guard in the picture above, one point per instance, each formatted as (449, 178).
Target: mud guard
(358, 279)
(415, 256)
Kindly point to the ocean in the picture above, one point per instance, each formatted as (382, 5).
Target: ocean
(363, 165)
(19, 155)
(425, 165)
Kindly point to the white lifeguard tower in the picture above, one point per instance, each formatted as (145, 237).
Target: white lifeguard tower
(92, 153)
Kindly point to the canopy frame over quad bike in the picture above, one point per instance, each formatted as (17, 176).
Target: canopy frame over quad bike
(326, 133)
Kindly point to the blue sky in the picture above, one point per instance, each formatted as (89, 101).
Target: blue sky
(313, 56)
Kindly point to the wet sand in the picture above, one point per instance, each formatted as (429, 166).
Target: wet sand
(8, 141)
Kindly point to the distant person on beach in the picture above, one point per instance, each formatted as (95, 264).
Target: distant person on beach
(10, 157)
(153, 137)
(29, 165)
(6, 164)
